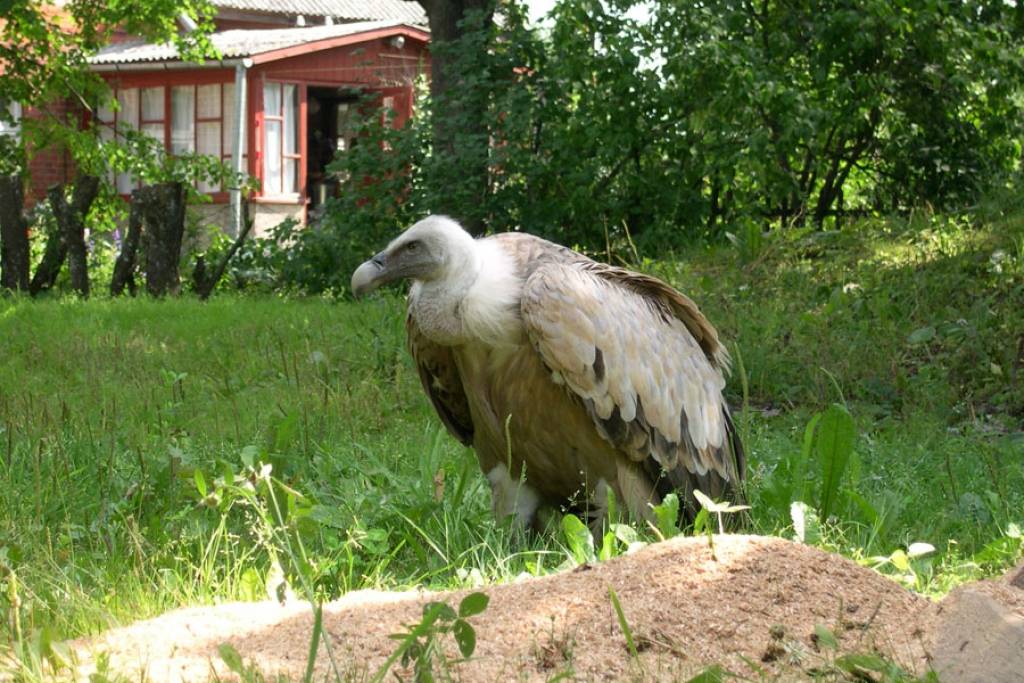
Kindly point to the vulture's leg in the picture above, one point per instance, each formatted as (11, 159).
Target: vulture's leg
(512, 497)
(634, 495)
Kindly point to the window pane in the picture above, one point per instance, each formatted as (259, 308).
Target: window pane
(291, 176)
(183, 124)
(154, 130)
(208, 138)
(128, 108)
(12, 123)
(208, 101)
(208, 142)
(125, 183)
(272, 99)
(152, 104)
(272, 159)
(106, 135)
(291, 110)
(104, 113)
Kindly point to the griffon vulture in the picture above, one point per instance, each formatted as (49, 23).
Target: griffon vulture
(600, 377)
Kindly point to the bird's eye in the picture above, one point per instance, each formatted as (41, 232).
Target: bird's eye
(412, 246)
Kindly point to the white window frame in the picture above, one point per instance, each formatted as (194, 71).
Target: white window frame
(283, 156)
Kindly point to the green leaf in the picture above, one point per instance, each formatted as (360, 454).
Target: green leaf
(667, 513)
(701, 521)
(473, 604)
(868, 662)
(900, 560)
(231, 657)
(623, 624)
(834, 447)
(825, 637)
(465, 636)
(712, 674)
(607, 550)
(806, 525)
(432, 611)
(200, 480)
(705, 502)
(921, 335)
(578, 538)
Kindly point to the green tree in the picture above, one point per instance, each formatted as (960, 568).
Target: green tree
(44, 52)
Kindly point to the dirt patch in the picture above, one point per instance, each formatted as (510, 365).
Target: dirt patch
(979, 632)
(760, 601)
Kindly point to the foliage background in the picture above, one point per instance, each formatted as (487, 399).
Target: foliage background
(696, 123)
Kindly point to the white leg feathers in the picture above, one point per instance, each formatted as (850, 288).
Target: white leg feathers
(512, 497)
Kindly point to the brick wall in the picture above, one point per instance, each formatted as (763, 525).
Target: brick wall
(48, 165)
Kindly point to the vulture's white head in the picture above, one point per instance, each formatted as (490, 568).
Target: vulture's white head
(436, 249)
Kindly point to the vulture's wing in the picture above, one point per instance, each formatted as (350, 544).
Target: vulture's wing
(648, 367)
(441, 381)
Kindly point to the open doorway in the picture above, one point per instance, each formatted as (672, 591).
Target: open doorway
(331, 129)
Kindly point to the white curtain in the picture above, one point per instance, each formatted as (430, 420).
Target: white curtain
(183, 119)
(272, 154)
(127, 118)
(291, 139)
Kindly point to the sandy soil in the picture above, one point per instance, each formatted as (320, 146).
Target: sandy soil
(760, 601)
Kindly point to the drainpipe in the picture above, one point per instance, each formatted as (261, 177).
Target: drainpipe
(239, 141)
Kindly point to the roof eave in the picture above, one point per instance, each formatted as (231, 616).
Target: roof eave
(270, 55)
(171, 65)
(340, 41)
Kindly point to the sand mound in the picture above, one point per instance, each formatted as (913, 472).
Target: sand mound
(761, 600)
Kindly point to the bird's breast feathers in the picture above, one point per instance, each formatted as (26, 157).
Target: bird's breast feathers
(490, 311)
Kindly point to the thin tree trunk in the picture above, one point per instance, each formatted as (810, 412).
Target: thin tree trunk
(49, 266)
(124, 267)
(460, 128)
(163, 218)
(71, 224)
(204, 282)
(14, 249)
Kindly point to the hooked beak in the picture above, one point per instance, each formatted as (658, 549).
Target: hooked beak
(370, 275)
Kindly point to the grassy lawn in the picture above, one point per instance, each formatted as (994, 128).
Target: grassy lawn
(117, 418)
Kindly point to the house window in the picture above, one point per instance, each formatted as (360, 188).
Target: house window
(200, 117)
(11, 124)
(140, 109)
(281, 151)
(202, 121)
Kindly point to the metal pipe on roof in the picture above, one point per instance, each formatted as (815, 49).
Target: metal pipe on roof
(238, 144)
(187, 23)
(170, 66)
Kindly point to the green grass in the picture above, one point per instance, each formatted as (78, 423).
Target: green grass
(108, 409)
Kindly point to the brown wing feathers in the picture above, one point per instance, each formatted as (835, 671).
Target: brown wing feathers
(646, 365)
(440, 377)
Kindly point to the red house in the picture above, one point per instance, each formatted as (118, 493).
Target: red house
(280, 101)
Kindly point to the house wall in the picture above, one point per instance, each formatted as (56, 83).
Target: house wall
(49, 165)
(266, 216)
(376, 64)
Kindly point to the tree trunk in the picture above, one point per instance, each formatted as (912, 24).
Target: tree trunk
(49, 266)
(124, 267)
(202, 281)
(14, 250)
(71, 225)
(163, 218)
(459, 114)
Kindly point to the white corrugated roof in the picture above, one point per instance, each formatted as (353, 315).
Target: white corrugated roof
(238, 42)
(349, 10)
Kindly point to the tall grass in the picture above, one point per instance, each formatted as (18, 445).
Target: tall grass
(118, 417)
